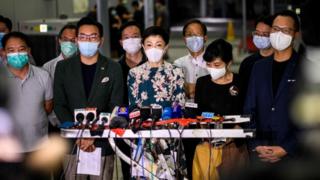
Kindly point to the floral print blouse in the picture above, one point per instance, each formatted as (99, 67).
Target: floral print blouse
(161, 85)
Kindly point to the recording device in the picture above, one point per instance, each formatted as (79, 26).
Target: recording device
(190, 110)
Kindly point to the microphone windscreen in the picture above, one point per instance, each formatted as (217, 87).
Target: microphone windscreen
(156, 113)
(190, 110)
(145, 113)
(80, 117)
(167, 113)
(176, 111)
(90, 117)
(118, 122)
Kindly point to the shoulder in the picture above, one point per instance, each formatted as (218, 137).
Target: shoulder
(138, 69)
(203, 79)
(174, 68)
(180, 61)
(263, 63)
(40, 74)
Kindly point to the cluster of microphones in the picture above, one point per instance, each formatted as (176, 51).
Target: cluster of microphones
(122, 117)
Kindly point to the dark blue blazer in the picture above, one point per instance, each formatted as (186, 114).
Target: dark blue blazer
(270, 114)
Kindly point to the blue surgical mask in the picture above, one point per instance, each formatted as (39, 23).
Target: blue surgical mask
(261, 42)
(1, 36)
(195, 43)
(88, 49)
(17, 60)
(68, 48)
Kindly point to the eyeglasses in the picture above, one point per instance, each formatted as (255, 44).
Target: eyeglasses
(67, 39)
(259, 33)
(285, 30)
(86, 37)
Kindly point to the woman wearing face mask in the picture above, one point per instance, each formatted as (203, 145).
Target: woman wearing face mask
(219, 93)
(156, 81)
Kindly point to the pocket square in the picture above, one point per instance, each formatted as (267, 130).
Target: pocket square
(105, 79)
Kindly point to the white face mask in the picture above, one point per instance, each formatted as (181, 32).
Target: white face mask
(154, 54)
(88, 49)
(261, 42)
(216, 73)
(131, 45)
(280, 41)
(195, 43)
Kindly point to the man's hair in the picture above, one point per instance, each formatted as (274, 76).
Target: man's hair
(67, 26)
(195, 21)
(15, 34)
(7, 22)
(128, 24)
(292, 15)
(155, 31)
(310, 29)
(218, 49)
(265, 20)
(90, 21)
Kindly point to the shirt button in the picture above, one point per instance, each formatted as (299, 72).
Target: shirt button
(273, 109)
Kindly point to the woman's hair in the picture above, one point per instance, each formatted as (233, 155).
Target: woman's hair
(218, 49)
(155, 31)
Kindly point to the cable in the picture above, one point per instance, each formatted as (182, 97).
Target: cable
(68, 163)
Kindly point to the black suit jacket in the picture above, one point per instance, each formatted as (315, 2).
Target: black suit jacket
(69, 93)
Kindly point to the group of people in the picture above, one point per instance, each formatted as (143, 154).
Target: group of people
(82, 77)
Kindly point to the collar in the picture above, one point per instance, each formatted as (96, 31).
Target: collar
(29, 74)
(198, 61)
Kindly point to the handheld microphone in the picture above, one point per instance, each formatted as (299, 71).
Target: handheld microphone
(145, 112)
(89, 118)
(118, 122)
(80, 117)
(167, 113)
(124, 112)
(156, 113)
(176, 111)
(190, 110)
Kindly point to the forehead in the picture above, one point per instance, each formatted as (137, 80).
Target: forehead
(283, 21)
(3, 27)
(194, 27)
(69, 32)
(15, 42)
(263, 26)
(154, 39)
(217, 60)
(89, 29)
(131, 30)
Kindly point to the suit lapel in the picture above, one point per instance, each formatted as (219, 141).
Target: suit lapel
(97, 77)
(287, 74)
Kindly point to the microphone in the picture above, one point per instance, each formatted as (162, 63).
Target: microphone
(167, 113)
(176, 111)
(118, 122)
(190, 110)
(89, 118)
(145, 112)
(134, 116)
(80, 117)
(124, 112)
(156, 113)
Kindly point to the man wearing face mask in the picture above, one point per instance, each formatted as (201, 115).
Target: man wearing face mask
(5, 28)
(88, 80)
(193, 65)
(68, 47)
(30, 95)
(269, 92)
(131, 43)
(262, 41)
